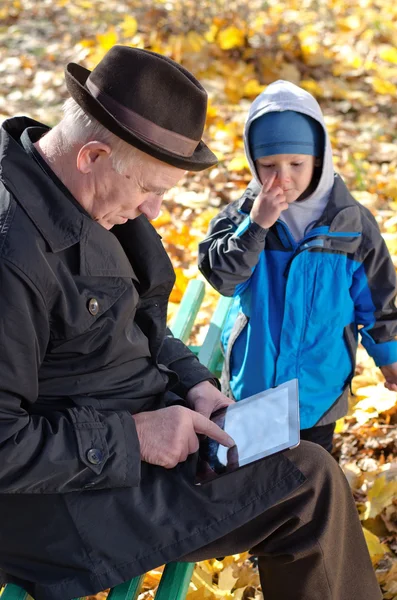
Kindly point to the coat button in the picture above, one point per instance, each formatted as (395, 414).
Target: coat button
(93, 306)
(94, 456)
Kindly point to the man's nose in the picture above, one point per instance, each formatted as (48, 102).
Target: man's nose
(151, 207)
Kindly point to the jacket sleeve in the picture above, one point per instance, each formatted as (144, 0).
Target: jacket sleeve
(69, 450)
(231, 250)
(374, 295)
(176, 355)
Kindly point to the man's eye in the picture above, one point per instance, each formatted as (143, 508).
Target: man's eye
(267, 166)
(297, 164)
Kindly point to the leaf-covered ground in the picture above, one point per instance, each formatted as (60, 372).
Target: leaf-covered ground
(345, 53)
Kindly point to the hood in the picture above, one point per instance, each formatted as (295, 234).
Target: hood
(283, 95)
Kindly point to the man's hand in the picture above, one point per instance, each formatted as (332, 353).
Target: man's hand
(390, 374)
(167, 436)
(269, 204)
(205, 398)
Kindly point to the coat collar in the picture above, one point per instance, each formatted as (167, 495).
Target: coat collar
(342, 212)
(342, 215)
(59, 220)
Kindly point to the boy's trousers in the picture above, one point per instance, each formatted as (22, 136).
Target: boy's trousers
(310, 546)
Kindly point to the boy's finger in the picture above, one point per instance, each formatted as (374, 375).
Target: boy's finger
(267, 186)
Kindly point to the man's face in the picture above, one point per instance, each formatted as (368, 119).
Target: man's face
(120, 197)
(294, 172)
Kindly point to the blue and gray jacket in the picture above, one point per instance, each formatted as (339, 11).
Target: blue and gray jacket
(298, 306)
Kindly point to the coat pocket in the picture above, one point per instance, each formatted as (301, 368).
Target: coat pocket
(350, 338)
(238, 327)
(90, 304)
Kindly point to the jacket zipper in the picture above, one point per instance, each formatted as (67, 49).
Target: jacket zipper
(317, 237)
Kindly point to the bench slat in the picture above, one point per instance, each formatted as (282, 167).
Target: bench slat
(14, 592)
(210, 353)
(175, 581)
(128, 590)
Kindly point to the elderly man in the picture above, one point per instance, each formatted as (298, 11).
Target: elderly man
(99, 407)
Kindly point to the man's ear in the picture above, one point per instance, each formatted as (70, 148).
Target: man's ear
(90, 155)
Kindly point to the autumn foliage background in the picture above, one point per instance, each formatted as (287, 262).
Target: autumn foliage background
(342, 51)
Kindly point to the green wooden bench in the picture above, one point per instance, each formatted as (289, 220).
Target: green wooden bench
(175, 579)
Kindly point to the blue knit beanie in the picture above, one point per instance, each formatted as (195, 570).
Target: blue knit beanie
(286, 132)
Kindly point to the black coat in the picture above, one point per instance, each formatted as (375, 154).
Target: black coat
(83, 345)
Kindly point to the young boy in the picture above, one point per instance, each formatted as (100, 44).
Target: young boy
(307, 267)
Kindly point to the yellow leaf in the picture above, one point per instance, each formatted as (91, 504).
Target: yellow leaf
(374, 399)
(376, 549)
(180, 285)
(313, 52)
(227, 579)
(87, 4)
(238, 163)
(313, 87)
(390, 582)
(389, 54)
(350, 23)
(217, 565)
(218, 153)
(202, 593)
(152, 578)
(163, 219)
(108, 39)
(231, 37)
(210, 35)
(252, 88)
(195, 41)
(212, 112)
(381, 495)
(289, 72)
(129, 25)
(383, 87)
(201, 576)
(340, 425)
(391, 190)
(172, 309)
(352, 474)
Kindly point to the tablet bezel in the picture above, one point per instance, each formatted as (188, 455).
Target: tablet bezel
(293, 430)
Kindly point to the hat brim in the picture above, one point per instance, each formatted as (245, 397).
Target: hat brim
(76, 77)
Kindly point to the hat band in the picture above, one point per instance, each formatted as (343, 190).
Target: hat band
(150, 132)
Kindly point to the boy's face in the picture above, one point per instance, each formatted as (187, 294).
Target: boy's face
(294, 172)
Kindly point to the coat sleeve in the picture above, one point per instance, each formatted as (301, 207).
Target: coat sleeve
(64, 451)
(176, 355)
(374, 295)
(231, 250)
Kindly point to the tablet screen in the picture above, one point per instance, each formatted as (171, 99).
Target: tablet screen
(260, 425)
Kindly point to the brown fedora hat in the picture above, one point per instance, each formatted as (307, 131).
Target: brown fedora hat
(149, 101)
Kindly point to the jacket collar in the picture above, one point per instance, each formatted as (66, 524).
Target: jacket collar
(61, 223)
(342, 212)
(342, 215)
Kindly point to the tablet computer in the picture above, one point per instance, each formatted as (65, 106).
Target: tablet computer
(260, 425)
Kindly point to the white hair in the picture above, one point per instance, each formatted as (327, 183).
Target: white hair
(77, 127)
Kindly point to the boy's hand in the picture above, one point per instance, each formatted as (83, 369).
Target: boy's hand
(269, 204)
(390, 374)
